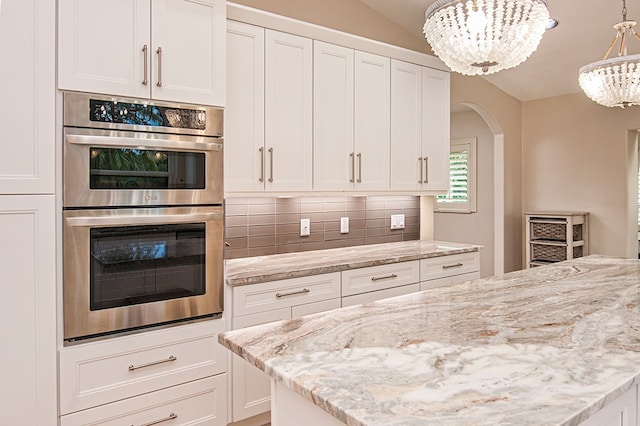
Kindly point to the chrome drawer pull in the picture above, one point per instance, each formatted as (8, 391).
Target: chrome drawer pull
(303, 291)
(149, 364)
(385, 277)
(166, 419)
(455, 265)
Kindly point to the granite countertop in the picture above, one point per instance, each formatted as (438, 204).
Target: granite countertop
(550, 345)
(258, 269)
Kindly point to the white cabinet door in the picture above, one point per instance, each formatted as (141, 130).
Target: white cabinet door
(407, 166)
(244, 114)
(28, 306)
(251, 387)
(372, 118)
(172, 50)
(289, 104)
(333, 82)
(27, 84)
(435, 128)
(189, 45)
(100, 46)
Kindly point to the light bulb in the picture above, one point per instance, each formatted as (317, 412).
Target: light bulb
(476, 22)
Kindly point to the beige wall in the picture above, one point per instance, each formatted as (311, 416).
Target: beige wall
(575, 158)
(475, 228)
(349, 16)
(505, 114)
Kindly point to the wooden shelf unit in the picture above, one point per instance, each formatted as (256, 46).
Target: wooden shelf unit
(555, 236)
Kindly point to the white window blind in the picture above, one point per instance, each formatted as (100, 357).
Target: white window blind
(461, 197)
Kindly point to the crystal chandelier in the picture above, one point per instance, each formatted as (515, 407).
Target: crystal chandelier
(485, 36)
(614, 81)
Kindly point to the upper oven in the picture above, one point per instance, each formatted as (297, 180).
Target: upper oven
(133, 153)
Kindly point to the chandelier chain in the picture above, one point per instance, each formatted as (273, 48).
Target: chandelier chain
(624, 10)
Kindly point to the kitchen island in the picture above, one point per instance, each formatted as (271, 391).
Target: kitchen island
(554, 345)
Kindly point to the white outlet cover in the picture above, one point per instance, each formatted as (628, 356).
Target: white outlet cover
(397, 221)
(344, 225)
(305, 227)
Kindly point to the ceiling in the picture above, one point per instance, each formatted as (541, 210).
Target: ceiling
(583, 36)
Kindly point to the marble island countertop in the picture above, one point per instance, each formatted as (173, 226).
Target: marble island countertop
(550, 345)
(253, 270)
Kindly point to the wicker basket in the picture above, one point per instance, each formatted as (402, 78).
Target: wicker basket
(546, 253)
(577, 252)
(548, 231)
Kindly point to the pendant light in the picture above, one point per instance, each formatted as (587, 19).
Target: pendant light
(614, 81)
(475, 37)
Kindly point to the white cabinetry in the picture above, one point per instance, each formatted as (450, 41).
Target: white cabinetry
(28, 308)
(447, 270)
(171, 50)
(27, 213)
(98, 373)
(379, 282)
(372, 121)
(27, 84)
(261, 303)
(268, 119)
(333, 85)
(419, 127)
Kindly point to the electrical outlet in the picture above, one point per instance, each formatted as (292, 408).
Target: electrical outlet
(397, 221)
(344, 225)
(305, 227)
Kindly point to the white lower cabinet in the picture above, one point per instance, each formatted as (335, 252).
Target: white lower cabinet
(119, 371)
(447, 270)
(266, 302)
(201, 402)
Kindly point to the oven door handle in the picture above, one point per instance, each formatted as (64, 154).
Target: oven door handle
(144, 143)
(127, 220)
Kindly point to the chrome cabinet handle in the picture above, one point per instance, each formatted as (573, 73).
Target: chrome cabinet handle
(261, 164)
(426, 169)
(454, 265)
(145, 71)
(270, 164)
(385, 277)
(421, 169)
(166, 419)
(353, 166)
(359, 167)
(149, 364)
(303, 291)
(159, 52)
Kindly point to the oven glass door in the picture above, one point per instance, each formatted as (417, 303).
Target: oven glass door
(129, 268)
(147, 263)
(113, 168)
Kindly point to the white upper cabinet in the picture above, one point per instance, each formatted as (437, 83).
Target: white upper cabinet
(268, 119)
(244, 114)
(333, 91)
(436, 112)
(407, 166)
(288, 112)
(170, 50)
(372, 121)
(27, 84)
(419, 128)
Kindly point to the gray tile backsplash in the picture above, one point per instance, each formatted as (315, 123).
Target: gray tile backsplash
(271, 225)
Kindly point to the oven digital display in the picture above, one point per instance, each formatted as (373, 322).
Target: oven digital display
(146, 115)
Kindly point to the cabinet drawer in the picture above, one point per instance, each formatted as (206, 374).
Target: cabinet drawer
(98, 373)
(202, 402)
(285, 293)
(446, 266)
(356, 281)
(358, 299)
(447, 281)
(312, 308)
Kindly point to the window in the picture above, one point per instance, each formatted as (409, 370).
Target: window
(461, 197)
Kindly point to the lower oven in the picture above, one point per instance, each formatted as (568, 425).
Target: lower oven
(130, 268)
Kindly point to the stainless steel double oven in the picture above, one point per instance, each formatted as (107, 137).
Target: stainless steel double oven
(143, 214)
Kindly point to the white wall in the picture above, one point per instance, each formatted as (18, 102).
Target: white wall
(475, 228)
